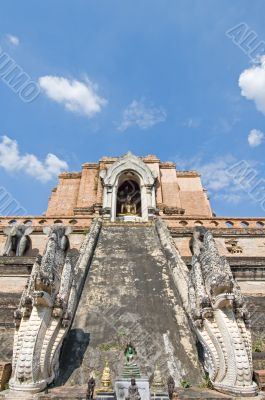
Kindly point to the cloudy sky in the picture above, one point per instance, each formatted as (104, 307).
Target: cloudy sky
(184, 80)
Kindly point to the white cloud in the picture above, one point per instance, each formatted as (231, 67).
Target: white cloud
(255, 137)
(214, 174)
(12, 160)
(14, 40)
(141, 115)
(252, 84)
(217, 179)
(191, 123)
(76, 96)
(230, 197)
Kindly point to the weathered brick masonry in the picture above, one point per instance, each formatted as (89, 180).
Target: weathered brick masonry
(180, 201)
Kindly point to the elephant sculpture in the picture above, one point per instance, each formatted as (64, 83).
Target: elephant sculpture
(17, 239)
(59, 234)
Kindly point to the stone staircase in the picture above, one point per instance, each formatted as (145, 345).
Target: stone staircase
(79, 393)
(129, 295)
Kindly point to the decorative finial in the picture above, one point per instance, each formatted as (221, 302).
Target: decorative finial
(106, 379)
(158, 384)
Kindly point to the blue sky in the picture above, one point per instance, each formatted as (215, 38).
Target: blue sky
(154, 77)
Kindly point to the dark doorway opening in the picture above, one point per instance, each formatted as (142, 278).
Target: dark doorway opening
(129, 198)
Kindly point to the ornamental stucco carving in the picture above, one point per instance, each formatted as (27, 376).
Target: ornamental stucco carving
(209, 293)
(220, 318)
(233, 247)
(146, 179)
(47, 307)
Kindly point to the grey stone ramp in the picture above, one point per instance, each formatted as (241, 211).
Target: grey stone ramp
(129, 295)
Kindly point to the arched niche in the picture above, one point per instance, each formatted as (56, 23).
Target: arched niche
(129, 168)
(129, 195)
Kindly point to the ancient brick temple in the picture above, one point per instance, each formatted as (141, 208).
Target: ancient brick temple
(129, 251)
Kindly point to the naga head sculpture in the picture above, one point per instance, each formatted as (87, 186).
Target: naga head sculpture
(220, 319)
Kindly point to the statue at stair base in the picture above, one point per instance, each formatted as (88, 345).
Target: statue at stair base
(46, 309)
(220, 318)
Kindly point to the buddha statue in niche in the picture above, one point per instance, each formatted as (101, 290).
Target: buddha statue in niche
(128, 206)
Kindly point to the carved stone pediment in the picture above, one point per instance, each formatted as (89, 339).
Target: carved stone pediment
(233, 246)
(129, 162)
(129, 167)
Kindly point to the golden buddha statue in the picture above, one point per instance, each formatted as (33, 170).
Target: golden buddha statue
(128, 207)
(106, 379)
(158, 384)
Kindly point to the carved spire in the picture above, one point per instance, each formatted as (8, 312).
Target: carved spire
(158, 384)
(106, 379)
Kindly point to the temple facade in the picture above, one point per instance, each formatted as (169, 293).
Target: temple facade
(158, 184)
(130, 252)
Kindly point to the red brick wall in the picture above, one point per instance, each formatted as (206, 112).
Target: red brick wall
(64, 199)
(174, 188)
(170, 188)
(87, 195)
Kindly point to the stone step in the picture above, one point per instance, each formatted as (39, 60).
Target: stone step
(129, 294)
(207, 394)
(79, 393)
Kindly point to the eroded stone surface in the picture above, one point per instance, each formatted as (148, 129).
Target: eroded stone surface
(180, 201)
(220, 318)
(129, 294)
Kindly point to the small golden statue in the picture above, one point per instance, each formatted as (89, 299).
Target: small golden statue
(158, 384)
(106, 379)
(128, 207)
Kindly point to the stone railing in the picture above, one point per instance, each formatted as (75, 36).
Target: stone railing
(47, 308)
(78, 222)
(216, 222)
(84, 221)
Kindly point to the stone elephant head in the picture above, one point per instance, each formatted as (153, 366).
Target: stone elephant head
(17, 239)
(59, 234)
